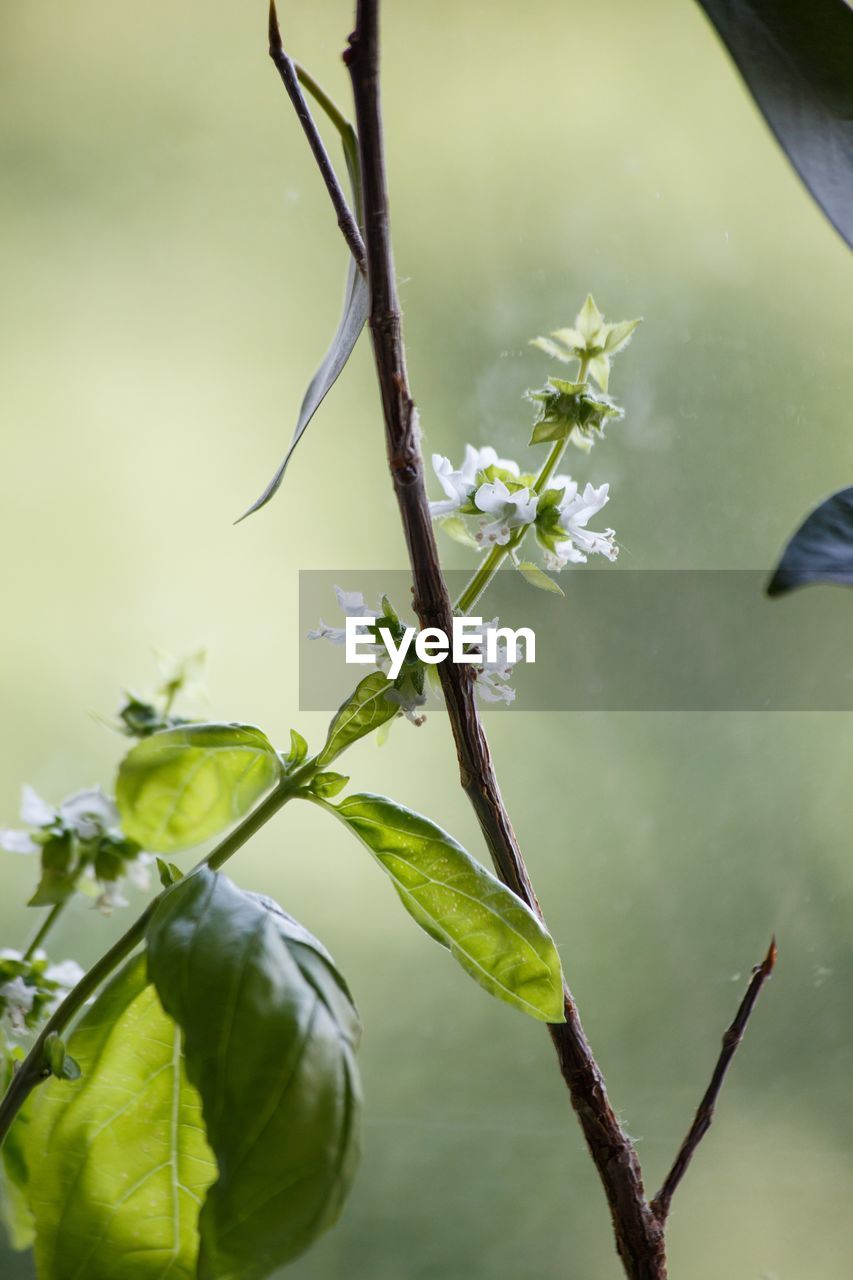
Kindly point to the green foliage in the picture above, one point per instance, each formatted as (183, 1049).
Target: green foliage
(808, 50)
(177, 788)
(269, 1037)
(821, 550)
(118, 1163)
(538, 577)
(328, 784)
(490, 931)
(355, 311)
(368, 707)
(15, 1215)
(569, 410)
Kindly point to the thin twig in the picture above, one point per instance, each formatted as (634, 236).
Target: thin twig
(290, 78)
(639, 1236)
(705, 1113)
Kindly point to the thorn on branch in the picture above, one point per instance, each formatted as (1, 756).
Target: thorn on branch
(705, 1113)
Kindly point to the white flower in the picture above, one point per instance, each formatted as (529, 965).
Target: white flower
(18, 997)
(89, 814)
(17, 841)
(352, 606)
(457, 485)
(576, 510)
(509, 510)
(139, 871)
(35, 811)
(491, 683)
(109, 899)
(66, 975)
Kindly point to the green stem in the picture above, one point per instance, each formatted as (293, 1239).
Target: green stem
(44, 929)
(498, 554)
(32, 1070)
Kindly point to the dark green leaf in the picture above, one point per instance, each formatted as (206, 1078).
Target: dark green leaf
(181, 786)
(489, 930)
(269, 1036)
(119, 1164)
(821, 550)
(367, 709)
(795, 57)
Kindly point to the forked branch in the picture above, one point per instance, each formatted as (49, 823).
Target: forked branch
(705, 1113)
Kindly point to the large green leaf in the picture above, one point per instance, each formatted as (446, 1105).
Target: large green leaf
(495, 937)
(366, 709)
(15, 1212)
(269, 1036)
(796, 56)
(119, 1164)
(181, 786)
(821, 550)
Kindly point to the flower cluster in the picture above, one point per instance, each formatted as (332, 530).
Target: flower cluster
(559, 515)
(408, 690)
(30, 989)
(489, 501)
(81, 846)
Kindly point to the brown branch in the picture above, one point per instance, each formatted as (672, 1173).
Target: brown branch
(639, 1236)
(705, 1113)
(287, 70)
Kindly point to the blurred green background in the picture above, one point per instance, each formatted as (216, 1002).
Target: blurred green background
(171, 274)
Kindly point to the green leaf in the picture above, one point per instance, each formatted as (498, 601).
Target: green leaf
(298, 749)
(367, 709)
(538, 577)
(619, 335)
(328, 784)
(494, 936)
(355, 312)
(456, 528)
(119, 1163)
(59, 1060)
(555, 430)
(572, 338)
(553, 349)
(599, 368)
(169, 874)
(56, 883)
(15, 1215)
(796, 60)
(821, 550)
(269, 1037)
(181, 786)
(589, 320)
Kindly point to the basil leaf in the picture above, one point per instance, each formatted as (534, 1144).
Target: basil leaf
(495, 937)
(355, 312)
(796, 60)
(821, 550)
(15, 1215)
(119, 1163)
(269, 1036)
(183, 785)
(366, 709)
(538, 577)
(356, 306)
